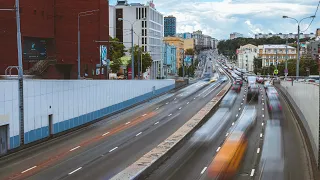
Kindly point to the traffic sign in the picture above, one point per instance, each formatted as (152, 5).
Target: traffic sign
(286, 71)
(276, 71)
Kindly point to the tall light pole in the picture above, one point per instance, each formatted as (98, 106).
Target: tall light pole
(298, 40)
(20, 70)
(132, 47)
(81, 14)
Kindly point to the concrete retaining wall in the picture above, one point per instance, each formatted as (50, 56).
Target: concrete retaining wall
(306, 97)
(69, 103)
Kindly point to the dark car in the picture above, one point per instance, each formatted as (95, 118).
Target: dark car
(236, 87)
(253, 89)
(274, 105)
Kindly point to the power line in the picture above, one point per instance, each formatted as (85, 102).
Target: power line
(312, 18)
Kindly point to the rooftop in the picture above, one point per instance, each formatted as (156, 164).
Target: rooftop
(276, 46)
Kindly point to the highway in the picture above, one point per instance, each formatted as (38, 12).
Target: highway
(101, 150)
(275, 148)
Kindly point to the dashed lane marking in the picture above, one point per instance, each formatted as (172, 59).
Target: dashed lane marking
(75, 170)
(28, 169)
(105, 134)
(203, 170)
(113, 149)
(252, 172)
(75, 148)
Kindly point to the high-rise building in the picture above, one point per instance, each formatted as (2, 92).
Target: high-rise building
(170, 26)
(147, 25)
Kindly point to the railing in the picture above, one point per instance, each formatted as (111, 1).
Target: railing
(39, 67)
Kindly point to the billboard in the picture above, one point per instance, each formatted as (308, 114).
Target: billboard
(34, 48)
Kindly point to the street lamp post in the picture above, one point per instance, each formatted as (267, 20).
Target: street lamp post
(298, 40)
(85, 13)
(132, 47)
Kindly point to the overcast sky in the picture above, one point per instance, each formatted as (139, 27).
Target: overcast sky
(219, 18)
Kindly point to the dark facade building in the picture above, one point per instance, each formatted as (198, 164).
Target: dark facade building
(49, 37)
(170, 26)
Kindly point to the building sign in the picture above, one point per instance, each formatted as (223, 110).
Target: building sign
(151, 4)
(103, 55)
(188, 60)
(34, 48)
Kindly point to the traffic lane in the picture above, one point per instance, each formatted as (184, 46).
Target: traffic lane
(271, 165)
(128, 153)
(190, 161)
(121, 134)
(58, 149)
(255, 140)
(296, 167)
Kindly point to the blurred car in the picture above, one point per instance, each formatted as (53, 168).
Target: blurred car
(310, 80)
(274, 105)
(271, 90)
(224, 79)
(267, 84)
(301, 80)
(214, 79)
(253, 88)
(239, 80)
(121, 77)
(260, 79)
(236, 87)
(228, 100)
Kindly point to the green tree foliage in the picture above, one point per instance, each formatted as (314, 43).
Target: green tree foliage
(146, 60)
(257, 64)
(229, 47)
(117, 51)
(189, 52)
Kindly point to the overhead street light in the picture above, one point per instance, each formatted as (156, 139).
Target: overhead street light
(85, 13)
(132, 47)
(298, 40)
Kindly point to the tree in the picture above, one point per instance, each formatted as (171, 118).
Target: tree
(117, 51)
(146, 60)
(189, 52)
(257, 64)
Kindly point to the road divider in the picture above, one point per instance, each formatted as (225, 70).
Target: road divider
(151, 160)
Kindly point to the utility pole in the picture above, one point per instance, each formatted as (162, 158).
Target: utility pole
(20, 73)
(132, 54)
(286, 64)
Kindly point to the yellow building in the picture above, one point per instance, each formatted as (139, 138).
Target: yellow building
(189, 44)
(179, 44)
(271, 54)
(318, 32)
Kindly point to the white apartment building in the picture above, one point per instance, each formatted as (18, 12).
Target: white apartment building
(207, 41)
(199, 39)
(147, 26)
(284, 36)
(273, 54)
(245, 57)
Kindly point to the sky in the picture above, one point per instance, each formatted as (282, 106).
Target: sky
(219, 18)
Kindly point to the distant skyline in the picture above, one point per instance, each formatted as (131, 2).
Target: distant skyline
(219, 18)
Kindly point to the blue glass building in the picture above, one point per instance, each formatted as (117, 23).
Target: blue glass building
(170, 26)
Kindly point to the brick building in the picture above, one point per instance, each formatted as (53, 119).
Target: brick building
(49, 36)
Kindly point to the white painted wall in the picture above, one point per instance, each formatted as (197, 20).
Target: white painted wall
(306, 96)
(69, 102)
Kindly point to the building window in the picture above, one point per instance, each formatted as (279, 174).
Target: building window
(136, 13)
(142, 12)
(34, 12)
(142, 32)
(145, 32)
(139, 13)
(142, 40)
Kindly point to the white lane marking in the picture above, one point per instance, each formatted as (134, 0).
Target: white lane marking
(262, 109)
(258, 150)
(139, 134)
(239, 109)
(105, 133)
(227, 134)
(252, 172)
(75, 171)
(261, 135)
(243, 99)
(262, 124)
(74, 148)
(262, 99)
(157, 108)
(128, 123)
(188, 102)
(180, 107)
(203, 170)
(241, 103)
(167, 103)
(232, 123)
(170, 115)
(263, 103)
(113, 149)
(175, 99)
(263, 115)
(144, 115)
(237, 115)
(194, 98)
(156, 123)
(218, 149)
(28, 169)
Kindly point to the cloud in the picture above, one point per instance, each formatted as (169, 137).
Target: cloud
(219, 18)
